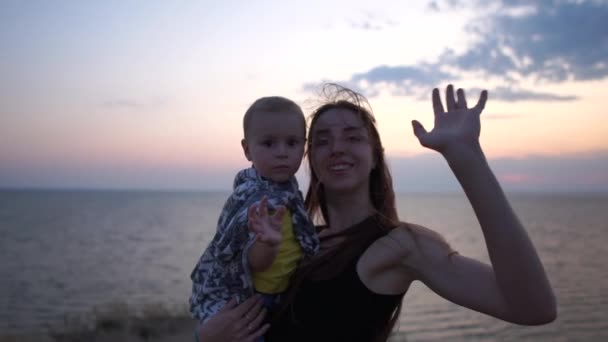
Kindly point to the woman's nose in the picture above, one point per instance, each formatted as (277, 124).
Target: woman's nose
(337, 146)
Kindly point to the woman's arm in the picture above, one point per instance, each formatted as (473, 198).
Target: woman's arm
(515, 287)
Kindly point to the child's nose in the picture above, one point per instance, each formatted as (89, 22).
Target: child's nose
(282, 151)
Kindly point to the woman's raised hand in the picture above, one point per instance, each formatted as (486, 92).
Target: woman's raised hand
(458, 126)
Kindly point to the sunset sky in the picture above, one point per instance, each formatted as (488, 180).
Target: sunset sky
(150, 94)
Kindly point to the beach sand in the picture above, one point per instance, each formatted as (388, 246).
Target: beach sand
(169, 329)
(117, 322)
(158, 330)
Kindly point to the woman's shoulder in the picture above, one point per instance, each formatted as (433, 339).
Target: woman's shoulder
(411, 237)
(416, 231)
(419, 243)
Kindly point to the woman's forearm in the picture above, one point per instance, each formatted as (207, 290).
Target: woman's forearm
(517, 267)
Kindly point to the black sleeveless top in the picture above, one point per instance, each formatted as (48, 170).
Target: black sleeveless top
(340, 308)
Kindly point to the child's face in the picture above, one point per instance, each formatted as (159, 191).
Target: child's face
(275, 144)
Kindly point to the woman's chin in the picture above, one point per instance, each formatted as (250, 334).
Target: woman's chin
(344, 186)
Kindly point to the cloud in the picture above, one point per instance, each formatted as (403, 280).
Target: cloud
(551, 41)
(416, 82)
(513, 95)
(541, 41)
(404, 76)
(372, 22)
(433, 6)
(411, 81)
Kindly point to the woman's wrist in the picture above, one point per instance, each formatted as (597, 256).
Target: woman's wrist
(458, 156)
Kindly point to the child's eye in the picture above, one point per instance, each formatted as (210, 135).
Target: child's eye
(267, 143)
(293, 142)
(354, 138)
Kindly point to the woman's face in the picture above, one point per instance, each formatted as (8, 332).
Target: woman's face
(341, 151)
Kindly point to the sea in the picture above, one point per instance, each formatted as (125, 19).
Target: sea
(65, 253)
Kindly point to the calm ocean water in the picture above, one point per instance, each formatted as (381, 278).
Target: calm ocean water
(63, 253)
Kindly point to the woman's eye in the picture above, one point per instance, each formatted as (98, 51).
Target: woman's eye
(321, 142)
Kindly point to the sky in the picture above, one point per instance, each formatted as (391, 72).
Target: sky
(151, 94)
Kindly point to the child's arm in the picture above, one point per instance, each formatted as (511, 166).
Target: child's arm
(268, 229)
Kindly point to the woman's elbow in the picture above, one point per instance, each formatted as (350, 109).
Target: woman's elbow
(540, 315)
(545, 317)
(548, 314)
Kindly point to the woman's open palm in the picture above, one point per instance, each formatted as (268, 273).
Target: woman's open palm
(458, 125)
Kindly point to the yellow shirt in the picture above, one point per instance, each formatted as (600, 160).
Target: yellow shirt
(276, 278)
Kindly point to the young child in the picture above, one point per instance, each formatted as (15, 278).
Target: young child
(240, 261)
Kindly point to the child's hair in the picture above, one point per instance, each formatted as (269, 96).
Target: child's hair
(271, 104)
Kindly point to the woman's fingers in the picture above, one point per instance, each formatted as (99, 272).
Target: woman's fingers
(254, 317)
(437, 105)
(251, 315)
(419, 130)
(247, 305)
(449, 98)
(455, 101)
(462, 100)
(254, 326)
(258, 333)
(482, 101)
(229, 306)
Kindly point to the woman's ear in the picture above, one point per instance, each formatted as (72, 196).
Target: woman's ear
(245, 146)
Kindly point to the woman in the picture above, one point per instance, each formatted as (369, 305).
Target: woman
(353, 289)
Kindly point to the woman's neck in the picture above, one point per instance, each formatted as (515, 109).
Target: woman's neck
(346, 210)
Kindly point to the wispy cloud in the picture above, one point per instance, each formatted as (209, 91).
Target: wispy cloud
(405, 77)
(433, 6)
(372, 22)
(514, 94)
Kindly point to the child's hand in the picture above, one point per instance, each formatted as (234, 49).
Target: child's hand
(266, 226)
